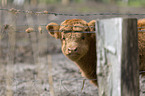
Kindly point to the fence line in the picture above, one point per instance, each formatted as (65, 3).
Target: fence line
(139, 31)
(31, 29)
(7, 25)
(59, 25)
(15, 11)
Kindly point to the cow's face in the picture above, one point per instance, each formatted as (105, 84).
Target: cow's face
(75, 43)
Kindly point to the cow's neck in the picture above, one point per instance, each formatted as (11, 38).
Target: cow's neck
(88, 62)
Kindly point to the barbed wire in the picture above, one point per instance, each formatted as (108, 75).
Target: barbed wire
(16, 11)
(61, 25)
(44, 25)
(139, 31)
(31, 29)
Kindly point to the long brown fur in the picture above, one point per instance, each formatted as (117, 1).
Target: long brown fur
(141, 44)
(86, 61)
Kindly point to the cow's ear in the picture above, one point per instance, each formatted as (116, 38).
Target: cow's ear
(91, 25)
(53, 30)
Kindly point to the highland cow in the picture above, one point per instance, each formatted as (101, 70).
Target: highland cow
(78, 46)
(141, 44)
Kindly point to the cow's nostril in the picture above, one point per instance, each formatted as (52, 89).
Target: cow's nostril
(75, 49)
(72, 49)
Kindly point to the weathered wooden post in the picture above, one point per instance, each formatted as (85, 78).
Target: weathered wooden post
(117, 57)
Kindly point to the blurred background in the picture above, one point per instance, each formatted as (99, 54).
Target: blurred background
(32, 64)
(135, 3)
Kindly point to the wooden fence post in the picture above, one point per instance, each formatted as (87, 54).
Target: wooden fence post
(117, 57)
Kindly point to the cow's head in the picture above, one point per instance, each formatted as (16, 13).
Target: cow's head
(75, 43)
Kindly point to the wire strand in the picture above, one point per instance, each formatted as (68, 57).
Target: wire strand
(15, 11)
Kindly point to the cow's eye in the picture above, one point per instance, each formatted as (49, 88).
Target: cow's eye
(83, 37)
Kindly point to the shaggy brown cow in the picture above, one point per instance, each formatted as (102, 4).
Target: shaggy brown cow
(81, 47)
(141, 44)
(77, 46)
